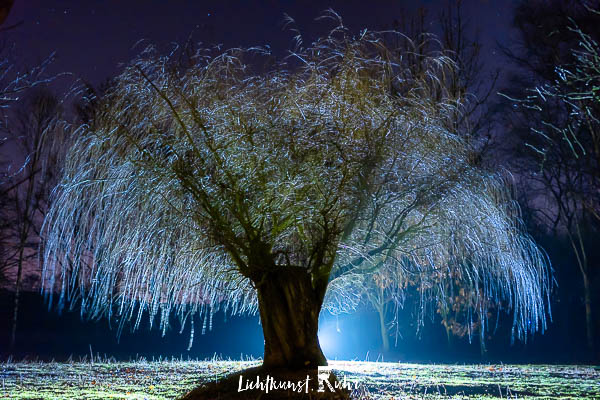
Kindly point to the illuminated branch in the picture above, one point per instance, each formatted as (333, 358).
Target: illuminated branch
(198, 189)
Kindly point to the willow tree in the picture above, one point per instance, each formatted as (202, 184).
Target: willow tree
(231, 186)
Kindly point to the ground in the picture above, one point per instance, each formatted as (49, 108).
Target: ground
(168, 379)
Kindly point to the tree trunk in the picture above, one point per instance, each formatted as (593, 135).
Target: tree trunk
(385, 341)
(589, 327)
(289, 309)
(13, 333)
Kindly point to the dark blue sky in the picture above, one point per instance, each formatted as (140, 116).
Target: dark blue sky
(92, 37)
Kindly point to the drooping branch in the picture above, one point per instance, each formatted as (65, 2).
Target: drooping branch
(195, 187)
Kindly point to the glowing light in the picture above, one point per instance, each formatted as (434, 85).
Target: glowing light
(330, 340)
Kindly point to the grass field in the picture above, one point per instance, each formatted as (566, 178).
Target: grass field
(168, 379)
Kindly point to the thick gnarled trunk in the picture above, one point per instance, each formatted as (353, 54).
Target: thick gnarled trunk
(289, 309)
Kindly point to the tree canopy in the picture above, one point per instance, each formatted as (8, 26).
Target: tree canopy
(194, 186)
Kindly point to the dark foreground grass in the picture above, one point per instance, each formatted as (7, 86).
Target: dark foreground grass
(370, 380)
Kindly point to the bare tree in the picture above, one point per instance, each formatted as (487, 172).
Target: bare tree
(557, 118)
(385, 292)
(470, 87)
(566, 146)
(13, 83)
(36, 132)
(216, 188)
(5, 223)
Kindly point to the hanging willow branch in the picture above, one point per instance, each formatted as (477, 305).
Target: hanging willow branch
(191, 185)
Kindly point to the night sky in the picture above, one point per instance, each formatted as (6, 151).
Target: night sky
(92, 38)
